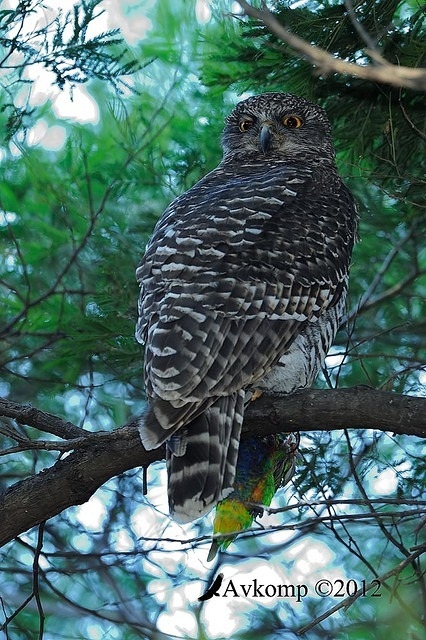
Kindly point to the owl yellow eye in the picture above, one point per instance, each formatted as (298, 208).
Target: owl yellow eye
(292, 122)
(244, 125)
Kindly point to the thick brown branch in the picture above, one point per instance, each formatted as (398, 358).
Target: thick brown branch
(72, 480)
(325, 63)
(104, 455)
(327, 410)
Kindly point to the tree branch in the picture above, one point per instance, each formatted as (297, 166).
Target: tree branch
(332, 409)
(26, 414)
(379, 71)
(103, 455)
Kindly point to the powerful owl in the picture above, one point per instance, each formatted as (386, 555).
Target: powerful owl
(243, 286)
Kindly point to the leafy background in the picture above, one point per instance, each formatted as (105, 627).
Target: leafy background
(74, 220)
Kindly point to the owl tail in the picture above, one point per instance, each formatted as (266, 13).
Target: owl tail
(202, 457)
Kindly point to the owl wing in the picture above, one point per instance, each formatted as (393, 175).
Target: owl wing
(235, 269)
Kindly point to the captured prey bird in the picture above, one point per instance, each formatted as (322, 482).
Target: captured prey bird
(265, 463)
(242, 289)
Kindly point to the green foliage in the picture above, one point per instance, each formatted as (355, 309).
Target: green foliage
(73, 224)
(35, 36)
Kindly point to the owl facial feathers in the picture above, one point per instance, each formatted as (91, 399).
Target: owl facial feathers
(296, 127)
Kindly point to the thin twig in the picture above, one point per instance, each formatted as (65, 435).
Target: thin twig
(36, 580)
(347, 602)
(364, 35)
(418, 131)
(365, 302)
(363, 492)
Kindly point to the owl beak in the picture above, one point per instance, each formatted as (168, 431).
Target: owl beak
(265, 137)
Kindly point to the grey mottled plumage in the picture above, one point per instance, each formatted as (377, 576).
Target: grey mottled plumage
(243, 285)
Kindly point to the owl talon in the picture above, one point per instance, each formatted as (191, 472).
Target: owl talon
(257, 393)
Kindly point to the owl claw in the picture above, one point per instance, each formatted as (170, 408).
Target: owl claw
(257, 393)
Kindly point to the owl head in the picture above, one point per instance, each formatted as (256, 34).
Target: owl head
(278, 125)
